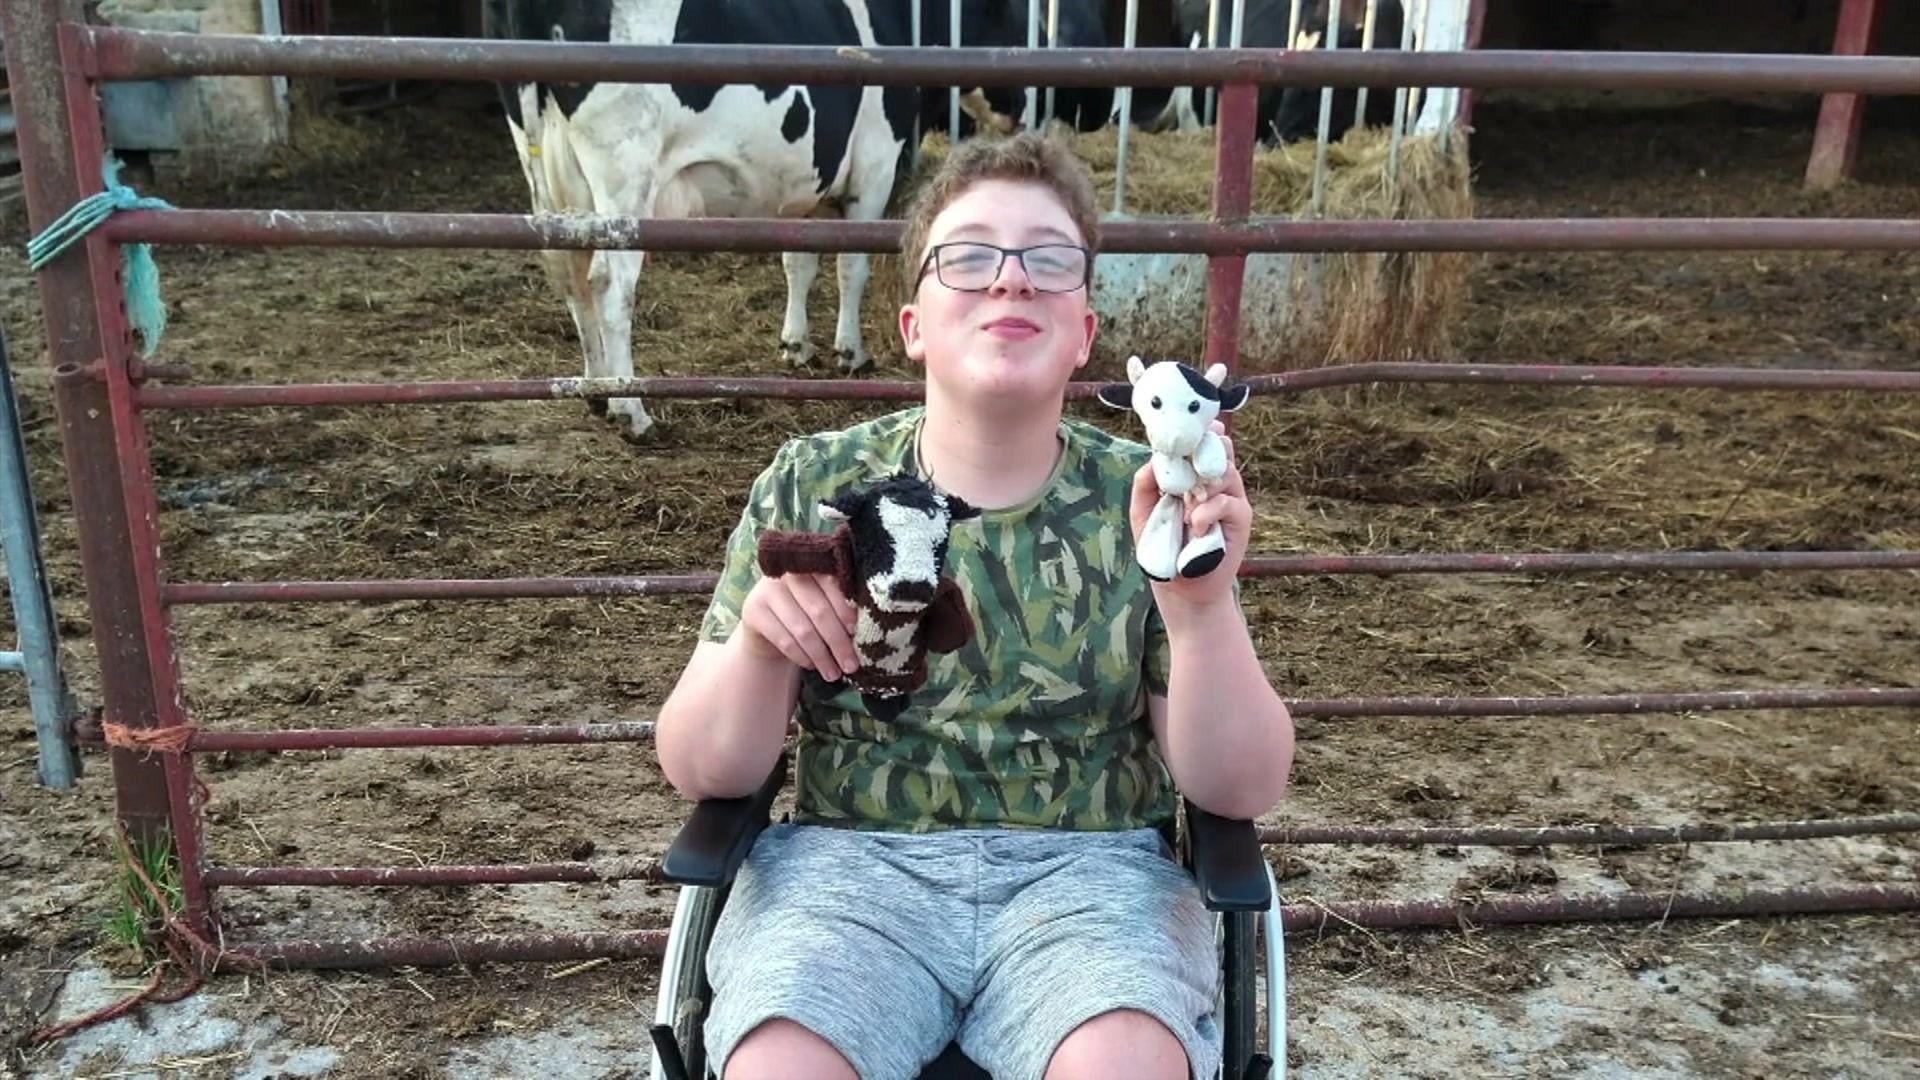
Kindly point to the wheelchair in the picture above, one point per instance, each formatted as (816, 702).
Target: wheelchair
(1222, 854)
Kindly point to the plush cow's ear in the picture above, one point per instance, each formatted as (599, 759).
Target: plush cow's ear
(959, 510)
(833, 511)
(1135, 369)
(1233, 397)
(1119, 395)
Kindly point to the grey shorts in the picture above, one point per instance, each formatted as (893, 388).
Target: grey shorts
(890, 946)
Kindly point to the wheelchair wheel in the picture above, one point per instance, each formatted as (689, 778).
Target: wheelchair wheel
(684, 993)
(1239, 992)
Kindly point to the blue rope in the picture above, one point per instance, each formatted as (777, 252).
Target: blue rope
(144, 306)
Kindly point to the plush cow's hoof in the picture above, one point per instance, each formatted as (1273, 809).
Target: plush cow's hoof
(797, 353)
(1203, 564)
(886, 709)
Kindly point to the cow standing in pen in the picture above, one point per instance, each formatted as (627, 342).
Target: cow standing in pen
(1292, 113)
(676, 151)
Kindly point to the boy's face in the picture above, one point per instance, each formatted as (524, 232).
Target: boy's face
(1011, 343)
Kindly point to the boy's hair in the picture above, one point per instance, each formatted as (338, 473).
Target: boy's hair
(1029, 157)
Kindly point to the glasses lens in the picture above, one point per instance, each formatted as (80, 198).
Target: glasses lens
(1056, 268)
(968, 266)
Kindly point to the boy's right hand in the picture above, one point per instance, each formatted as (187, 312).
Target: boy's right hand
(804, 618)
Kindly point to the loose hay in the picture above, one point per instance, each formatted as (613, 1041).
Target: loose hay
(1347, 307)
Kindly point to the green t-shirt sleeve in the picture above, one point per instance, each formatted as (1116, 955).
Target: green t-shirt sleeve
(1158, 658)
(770, 505)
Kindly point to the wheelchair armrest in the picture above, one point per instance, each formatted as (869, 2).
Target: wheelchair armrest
(1224, 855)
(710, 847)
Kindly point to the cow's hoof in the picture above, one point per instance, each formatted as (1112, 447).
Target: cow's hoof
(597, 406)
(797, 353)
(630, 418)
(853, 361)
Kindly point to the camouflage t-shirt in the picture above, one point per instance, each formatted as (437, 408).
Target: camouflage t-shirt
(1040, 721)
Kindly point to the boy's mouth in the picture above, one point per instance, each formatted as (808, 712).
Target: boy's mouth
(1013, 327)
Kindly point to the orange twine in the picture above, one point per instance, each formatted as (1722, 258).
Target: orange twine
(179, 940)
(172, 739)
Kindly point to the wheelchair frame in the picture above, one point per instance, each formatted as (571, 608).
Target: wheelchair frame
(1223, 854)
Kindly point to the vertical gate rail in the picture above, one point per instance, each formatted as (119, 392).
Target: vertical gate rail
(59, 63)
(38, 657)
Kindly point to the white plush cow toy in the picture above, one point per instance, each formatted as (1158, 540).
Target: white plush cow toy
(1179, 406)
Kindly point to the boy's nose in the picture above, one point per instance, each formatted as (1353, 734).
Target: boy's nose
(1013, 279)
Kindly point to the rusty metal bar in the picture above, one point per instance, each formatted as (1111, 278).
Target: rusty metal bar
(1836, 141)
(1258, 566)
(260, 877)
(1322, 378)
(62, 145)
(1604, 835)
(272, 592)
(627, 869)
(381, 229)
(1232, 200)
(1300, 918)
(1516, 910)
(1608, 704)
(87, 731)
(446, 952)
(124, 54)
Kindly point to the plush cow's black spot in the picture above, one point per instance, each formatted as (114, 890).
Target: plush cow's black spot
(798, 119)
(1198, 383)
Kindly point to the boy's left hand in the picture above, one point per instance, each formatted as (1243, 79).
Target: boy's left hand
(1226, 504)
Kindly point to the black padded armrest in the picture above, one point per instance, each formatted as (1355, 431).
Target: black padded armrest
(710, 847)
(1224, 855)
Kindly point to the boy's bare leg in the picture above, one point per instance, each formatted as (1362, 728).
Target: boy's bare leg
(784, 1049)
(1124, 1042)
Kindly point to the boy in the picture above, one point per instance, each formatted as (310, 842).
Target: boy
(986, 867)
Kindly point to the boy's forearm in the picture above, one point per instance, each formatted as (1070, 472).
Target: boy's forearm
(1228, 737)
(725, 724)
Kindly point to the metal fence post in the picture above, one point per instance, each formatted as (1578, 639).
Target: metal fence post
(1232, 200)
(39, 654)
(62, 148)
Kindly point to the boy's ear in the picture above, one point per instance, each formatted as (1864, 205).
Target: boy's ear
(1119, 395)
(1233, 397)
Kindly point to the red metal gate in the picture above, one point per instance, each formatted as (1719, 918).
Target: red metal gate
(104, 394)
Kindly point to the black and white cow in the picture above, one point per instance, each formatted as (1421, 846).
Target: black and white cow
(673, 151)
(1292, 113)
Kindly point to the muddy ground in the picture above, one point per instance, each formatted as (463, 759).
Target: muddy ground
(545, 488)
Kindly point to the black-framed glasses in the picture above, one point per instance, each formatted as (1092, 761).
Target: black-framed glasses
(972, 266)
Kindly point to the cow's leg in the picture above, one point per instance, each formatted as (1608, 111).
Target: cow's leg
(568, 270)
(801, 267)
(615, 276)
(855, 268)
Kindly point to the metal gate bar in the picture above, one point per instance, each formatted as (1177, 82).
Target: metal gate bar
(95, 374)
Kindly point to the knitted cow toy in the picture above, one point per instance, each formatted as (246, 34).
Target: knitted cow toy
(887, 555)
(1179, 406)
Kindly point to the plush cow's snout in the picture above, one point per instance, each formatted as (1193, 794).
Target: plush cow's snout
(911, 592)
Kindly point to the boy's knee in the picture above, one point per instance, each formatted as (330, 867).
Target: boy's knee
(784, 1049)
(1124, 1042)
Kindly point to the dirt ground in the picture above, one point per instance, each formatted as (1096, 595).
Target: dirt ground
(536, 488)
